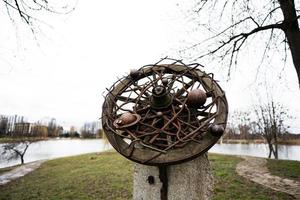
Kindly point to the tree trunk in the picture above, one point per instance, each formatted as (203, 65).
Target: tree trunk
(276, 151)
(275, 148)
(270, 150)
(22, 154)
(22, 159)
(292, 32)
(294, 43)
(269, 142)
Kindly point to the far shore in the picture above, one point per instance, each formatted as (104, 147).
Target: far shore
(257, 141)
(36, 139)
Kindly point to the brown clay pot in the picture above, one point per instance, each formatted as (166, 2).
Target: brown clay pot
(196, 98)
(217, 130)
(134, 73)
(126, 119)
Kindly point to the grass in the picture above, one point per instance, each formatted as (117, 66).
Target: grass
(91, 176)
(109, 176)
(285, 168)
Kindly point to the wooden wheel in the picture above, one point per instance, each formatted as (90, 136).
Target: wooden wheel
(164, 114)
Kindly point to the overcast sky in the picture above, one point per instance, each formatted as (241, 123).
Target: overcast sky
(64, 73)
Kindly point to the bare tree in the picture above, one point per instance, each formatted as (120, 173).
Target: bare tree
(15, 150)
(52, 128)
(28, 10)
(3, 125)
(239, 126)
(271, 119)
(91, 130)
(234, 24)
(242, 121)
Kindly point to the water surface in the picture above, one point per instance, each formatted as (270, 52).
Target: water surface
(286, 152)
(56, 148)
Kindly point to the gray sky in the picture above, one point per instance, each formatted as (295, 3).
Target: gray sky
(64, 76)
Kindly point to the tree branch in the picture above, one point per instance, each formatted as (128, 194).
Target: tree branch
(242, 37)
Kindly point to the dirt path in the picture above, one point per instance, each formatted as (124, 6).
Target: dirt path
(19, 172)
(255, 169)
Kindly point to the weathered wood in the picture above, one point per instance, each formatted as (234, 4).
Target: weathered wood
(148, 156)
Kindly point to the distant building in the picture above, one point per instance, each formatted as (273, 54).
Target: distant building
(18, 126)
(39, 130)
(22, 128)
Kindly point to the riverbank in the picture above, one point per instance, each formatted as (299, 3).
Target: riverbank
(109, 176)
(258, 141)
(4, 140)
(7, 169)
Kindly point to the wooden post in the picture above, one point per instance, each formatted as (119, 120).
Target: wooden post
(191, 180)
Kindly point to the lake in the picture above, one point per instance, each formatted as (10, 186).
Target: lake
(286, 152)
(56, 148)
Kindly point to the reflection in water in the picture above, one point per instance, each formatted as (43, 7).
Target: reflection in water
(56, 148)
(287, 152)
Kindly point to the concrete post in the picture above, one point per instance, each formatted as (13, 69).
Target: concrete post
(191, 180)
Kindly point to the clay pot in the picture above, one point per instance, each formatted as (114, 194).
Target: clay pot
(134, 74)
(126, 119)
(160, 98)
(217, 130)
(196, 98)
(165, 81)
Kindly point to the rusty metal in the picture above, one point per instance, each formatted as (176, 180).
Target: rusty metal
(164, 113)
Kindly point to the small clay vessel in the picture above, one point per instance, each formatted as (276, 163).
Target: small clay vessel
(134, 74)
(196, 98)
(216, 130)
(126, 119)
(165, 81)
